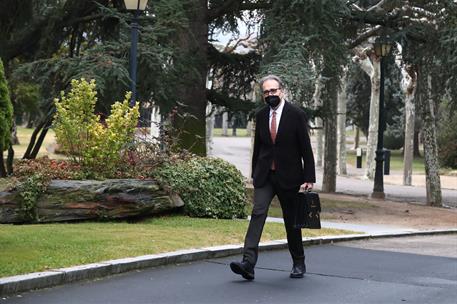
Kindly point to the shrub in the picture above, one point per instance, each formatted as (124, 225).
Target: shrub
(48, 168)
(6, 112)
(210, 187)
(30, 190)
(95, 146)
(393, 139)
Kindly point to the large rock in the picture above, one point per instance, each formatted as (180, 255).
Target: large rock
(67, 200)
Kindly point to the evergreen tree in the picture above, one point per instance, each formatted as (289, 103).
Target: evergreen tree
(6, 118)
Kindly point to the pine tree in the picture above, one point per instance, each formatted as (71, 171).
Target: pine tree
(6, 118)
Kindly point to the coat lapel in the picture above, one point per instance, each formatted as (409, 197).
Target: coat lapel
(266, 124)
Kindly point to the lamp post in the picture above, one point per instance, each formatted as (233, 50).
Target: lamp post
(382, 48)
(136, 6)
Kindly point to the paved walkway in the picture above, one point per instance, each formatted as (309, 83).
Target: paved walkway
(372, 271)
(236, 150)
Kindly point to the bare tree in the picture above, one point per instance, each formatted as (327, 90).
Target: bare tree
(432, 167)
(370, 63)
(408, 86)
(319, 123)
(341, 123)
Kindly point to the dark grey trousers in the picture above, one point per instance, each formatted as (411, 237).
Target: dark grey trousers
(262, 200)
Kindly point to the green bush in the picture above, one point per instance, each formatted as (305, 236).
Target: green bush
(95, 146)
(30, 190)
(393, 139)
(210, 187)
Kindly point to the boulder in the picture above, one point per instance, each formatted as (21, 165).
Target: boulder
(69, 200)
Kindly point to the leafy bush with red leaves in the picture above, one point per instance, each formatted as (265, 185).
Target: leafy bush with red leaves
(48, 168)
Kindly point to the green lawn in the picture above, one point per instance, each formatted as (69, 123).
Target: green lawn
(396, 161)
(30, 248)
(24, 135)
(328, 206)
(3, 183)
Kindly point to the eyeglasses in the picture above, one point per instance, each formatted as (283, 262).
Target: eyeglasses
(270, 91)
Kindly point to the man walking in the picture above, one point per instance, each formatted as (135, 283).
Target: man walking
(282, 165)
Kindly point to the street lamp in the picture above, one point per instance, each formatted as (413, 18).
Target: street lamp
(382, 47)
(136, 6)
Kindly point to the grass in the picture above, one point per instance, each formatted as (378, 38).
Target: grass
(396, 161)
(327, 204)
(328, 207)
(24, 135)
(4, 183)
(31, 248)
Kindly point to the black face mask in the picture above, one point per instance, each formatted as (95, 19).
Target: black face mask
(272, 100)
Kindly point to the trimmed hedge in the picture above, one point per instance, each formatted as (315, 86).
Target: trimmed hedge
(209, 187)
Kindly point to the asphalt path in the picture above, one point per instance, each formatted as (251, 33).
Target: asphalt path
(402, 270)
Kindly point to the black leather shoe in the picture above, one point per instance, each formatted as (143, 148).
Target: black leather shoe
(245, 269)
(298, 271)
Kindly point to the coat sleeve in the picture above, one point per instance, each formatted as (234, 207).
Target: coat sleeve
(255, 152)
(309, 171)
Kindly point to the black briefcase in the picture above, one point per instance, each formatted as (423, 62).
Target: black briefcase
(307, 210)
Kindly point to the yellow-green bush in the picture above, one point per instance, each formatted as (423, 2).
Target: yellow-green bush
(95, 146)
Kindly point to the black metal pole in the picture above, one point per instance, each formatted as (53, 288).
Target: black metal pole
(133, 55)
(378, 189)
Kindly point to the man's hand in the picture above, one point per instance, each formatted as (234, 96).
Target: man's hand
(306, 187)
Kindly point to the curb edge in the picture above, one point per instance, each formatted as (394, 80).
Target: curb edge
(39, 280)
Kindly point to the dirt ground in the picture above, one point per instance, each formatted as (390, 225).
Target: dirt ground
(361, 210)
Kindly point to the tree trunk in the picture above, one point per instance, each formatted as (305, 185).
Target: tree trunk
(409, 83)
(40, 140)
(373, 127)
(10, 160)
(14, 138)
(2, 163)
(234, 125)
(32, 143)
(432, 177)
(416, 143)
(371, 64)
(341, 123)
(191, 90)
(210, 113)
(225, 124)
(249, 128)
(155, 123)
(356, 137)
(329, 175)
(318, 122)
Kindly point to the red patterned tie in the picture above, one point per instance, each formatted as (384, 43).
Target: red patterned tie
(273, 134)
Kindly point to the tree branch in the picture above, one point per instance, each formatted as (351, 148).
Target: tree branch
(245, 42)
(362, 58)
(84, 19)
(222, 9)
(364, 36)
(377, 7)
(231, 6)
